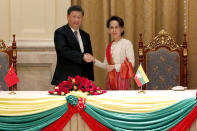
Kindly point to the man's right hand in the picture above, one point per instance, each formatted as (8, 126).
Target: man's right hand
(88, 58)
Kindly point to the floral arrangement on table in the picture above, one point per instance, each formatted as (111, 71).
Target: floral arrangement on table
(77, 83)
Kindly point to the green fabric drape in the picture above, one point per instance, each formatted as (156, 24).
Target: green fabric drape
(159, 120)
(32, 122)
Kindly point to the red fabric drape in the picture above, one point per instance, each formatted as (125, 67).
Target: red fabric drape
(187, 121)
(93, 123)
(59, 124)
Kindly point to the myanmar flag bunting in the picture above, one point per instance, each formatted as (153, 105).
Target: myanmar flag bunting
(140, 77)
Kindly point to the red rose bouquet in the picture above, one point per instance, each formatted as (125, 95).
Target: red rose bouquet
(77, 83)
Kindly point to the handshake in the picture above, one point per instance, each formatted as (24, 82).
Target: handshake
(88, 58)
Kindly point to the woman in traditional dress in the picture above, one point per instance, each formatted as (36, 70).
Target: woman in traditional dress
(119, 57)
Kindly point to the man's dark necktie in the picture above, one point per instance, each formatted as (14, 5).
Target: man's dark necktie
(75, 33)
(76, 36)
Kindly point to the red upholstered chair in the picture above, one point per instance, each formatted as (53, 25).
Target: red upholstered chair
(164, 62)
(8, 57)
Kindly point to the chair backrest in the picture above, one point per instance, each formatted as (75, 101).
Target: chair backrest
(8, 57)
(164, 62)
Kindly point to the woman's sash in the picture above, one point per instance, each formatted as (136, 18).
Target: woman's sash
(112, 74)
(126, 70)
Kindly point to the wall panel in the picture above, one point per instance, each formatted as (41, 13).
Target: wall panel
(33, 22)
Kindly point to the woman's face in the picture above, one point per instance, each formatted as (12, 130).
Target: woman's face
(115, 29)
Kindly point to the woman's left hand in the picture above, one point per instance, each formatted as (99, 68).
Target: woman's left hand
(110, 67)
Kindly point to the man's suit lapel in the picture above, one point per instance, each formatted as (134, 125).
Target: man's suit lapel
(72, 36)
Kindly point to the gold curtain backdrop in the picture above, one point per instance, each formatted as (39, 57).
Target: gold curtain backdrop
(140, 16)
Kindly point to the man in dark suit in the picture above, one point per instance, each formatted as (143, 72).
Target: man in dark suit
(73, 48)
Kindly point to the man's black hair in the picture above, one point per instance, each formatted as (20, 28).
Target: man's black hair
(75, 8)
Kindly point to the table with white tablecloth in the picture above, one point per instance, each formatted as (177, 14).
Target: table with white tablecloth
(114, 110)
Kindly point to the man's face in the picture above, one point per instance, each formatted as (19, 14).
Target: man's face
(75, 19)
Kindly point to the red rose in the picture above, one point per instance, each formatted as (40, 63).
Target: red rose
(83, 83)
(50, 92)
(79, 87)
(91, 92)
(104, 91)
(87, 89)
(65, 90)
(98, 88)
(77, 83)
(56, 90)
(82, 89)
(59, 92)
(69, 78)
(96, 93)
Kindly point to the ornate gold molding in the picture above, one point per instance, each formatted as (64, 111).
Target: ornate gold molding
(14, 53)
(184, 52)
(2, 45)
(162, 39)
(140, 52)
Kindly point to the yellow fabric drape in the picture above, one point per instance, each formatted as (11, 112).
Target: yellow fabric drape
(134, 102)
(140, 16)
(16, 106)
(117, 101)
(26, 106)
(131, 104)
